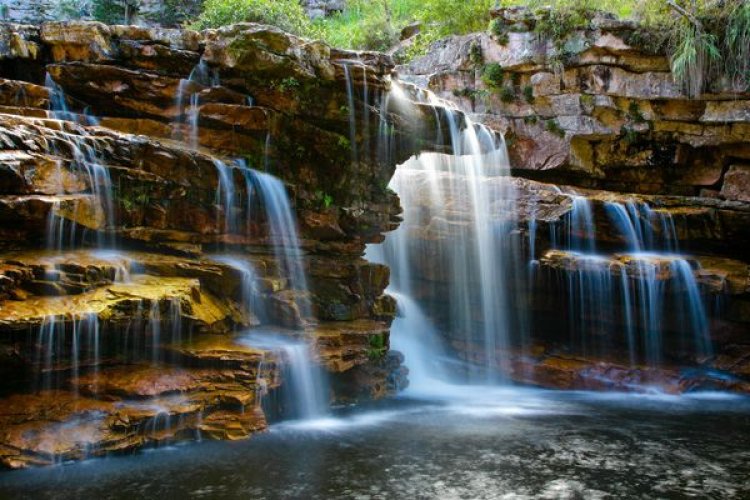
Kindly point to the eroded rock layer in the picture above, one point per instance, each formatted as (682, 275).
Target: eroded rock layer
(141, 243)
(597, 107)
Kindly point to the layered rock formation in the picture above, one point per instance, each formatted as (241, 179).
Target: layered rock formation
(153, 145)
(140, 238)
(596, 110)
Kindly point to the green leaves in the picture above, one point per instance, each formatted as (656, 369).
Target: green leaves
(285, 14)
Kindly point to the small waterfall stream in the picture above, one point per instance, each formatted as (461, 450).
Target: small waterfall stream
(642, 284)
(69, 349)
(63, 232)
(305, 384)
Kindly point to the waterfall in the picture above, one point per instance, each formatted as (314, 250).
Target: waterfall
(639, 289)
(468, 237)
(641, 227)
(282, 225)
(304, 381)
(266, 199)
(352, 113)
(457, 255)
(269, 194)
(200, 76)
(580, 231)
(86, 162)
(64, 345)
(58, 105)
(250, 299)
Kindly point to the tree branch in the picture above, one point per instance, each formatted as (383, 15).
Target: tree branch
(684, 13)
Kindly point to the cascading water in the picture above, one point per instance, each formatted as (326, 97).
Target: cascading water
(200, 77)
(86, 162)
(58, 105)
(639, 289)
(268, 194)
(468, 237)
(459, 234)
(305, 385)
(266, 199)
(67, 346)
(352, 113)
(250, 298)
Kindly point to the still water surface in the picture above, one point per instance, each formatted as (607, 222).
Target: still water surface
(476, 443)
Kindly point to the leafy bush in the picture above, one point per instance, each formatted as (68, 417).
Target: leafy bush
(175, 12)
(376, 24)
(114, 11)
(554, 128)
(475, 54)
(528, 94)
(507, 94)
(707, 41)
(285, 14)
(493, 75)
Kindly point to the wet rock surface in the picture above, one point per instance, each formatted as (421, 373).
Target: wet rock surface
(146, 140)
(128, 137)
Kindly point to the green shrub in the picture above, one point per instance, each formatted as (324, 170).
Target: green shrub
(475, 54)
(629, 136)
(114, 11)
(285, 14)
(376, 24)
(507, 94)
(499, 31)
(493, 75)
(553, 127)
(175, 12)
(528, 94)
(634, 112)
(66, 10)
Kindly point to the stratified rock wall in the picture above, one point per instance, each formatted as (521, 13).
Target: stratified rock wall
(597, 115)
(600, 111)
(127, 138)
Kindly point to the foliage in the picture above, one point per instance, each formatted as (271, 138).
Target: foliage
(475, 54)
(507, 94)
(175, 12)
(66, 10)
(378, 347)
(715, 48)
(634, 112)
(285, 14)
(735, 44)
(288, 84)
(553, 127)
(323, 199)
(528, 94)
(114, 11)
(493, 75)
(498, 30)
(708, 41)
(376, 24)
(629, 135)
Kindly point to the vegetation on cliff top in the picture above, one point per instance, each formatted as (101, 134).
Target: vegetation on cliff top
(706, 40)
